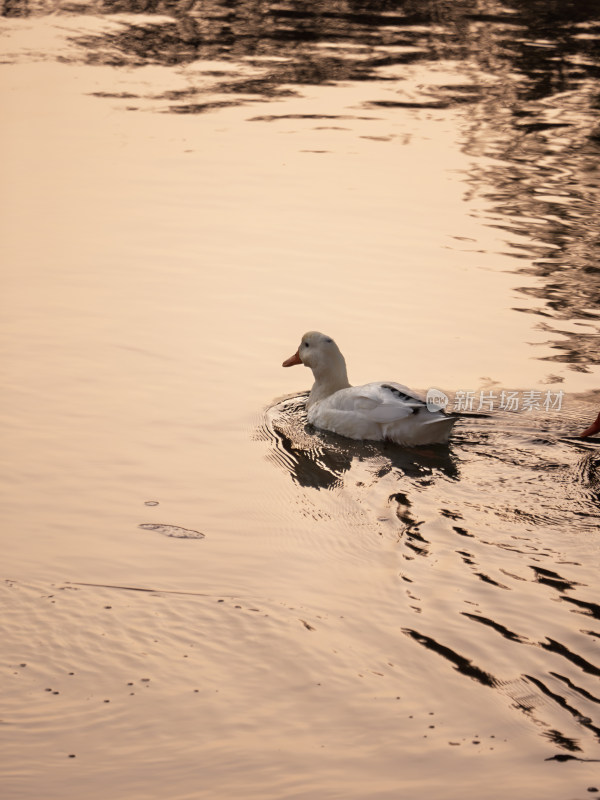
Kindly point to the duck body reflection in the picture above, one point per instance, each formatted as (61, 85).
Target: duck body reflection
(320, 459)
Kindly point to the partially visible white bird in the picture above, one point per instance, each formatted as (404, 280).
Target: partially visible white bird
(375, 411)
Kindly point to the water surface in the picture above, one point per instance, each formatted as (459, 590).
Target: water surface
(204, 597)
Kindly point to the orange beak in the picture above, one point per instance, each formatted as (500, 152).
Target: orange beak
(292, 360)
(594, 428)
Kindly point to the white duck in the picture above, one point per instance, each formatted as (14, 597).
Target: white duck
(375, 411)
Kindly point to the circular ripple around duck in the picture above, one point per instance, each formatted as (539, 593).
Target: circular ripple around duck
(174, 531)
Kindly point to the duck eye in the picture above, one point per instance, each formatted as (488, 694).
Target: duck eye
(306, 344)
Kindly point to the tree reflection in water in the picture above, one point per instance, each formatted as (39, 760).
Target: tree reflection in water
(530, 68)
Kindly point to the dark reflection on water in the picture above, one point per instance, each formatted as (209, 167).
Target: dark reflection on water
(318, 459)
(510, 500)
(529, 75)
(461, 663)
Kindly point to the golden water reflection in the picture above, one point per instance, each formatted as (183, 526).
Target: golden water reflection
(201, 595)
(524, 74)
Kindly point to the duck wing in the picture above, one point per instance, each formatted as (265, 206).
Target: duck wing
(386, 402)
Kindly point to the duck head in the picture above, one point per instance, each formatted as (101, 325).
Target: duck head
(322, 355)
(315, 350)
